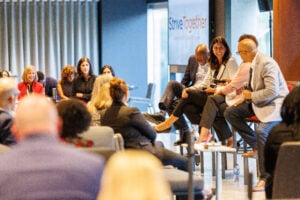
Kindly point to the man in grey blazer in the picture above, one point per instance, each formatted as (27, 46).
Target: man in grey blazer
(195, 72)
(264, 95)
(42, 167)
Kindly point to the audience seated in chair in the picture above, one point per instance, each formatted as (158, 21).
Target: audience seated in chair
(263, 98)
(100, 98)
(136, 131)
(195, 72)
(134, 175)
(40, 166)
(65, 84)
(76, 119)
(48, 82)
(4, 73)
(29, 84)
(107, 70)
(287, 130)
(8, 97)
(84, 81)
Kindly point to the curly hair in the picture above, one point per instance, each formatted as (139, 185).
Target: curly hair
(76, 118)
(213, 60)
(66, 71)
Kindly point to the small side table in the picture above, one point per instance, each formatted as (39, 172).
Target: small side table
(216, 149)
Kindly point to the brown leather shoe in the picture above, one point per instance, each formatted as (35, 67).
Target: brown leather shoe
(250, 154)
(259, 187)
(230, 142)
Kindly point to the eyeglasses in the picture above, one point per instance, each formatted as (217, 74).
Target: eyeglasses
(239, 52)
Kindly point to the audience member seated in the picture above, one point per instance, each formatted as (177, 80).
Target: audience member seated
(42, 167)
(84, 82)
(49, 83)
(287, 130)
(263, 98)
(217, 103)
(76, 119)
(134, 175)
(222, 68)
(100, 98)
(30, 84)
(65, 84)
(136, 131)
(108, 70)
(8, 96)
(195, 72)
(4, 73)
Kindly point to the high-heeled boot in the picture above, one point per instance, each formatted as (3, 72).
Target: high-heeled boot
(182, 136)
(166, 124)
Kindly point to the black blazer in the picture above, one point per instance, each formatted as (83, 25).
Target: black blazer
(189, 77)
(132, 125)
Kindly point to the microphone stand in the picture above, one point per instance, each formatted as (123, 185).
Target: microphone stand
(190, 155)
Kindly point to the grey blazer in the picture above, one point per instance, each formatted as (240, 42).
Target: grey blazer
(269, 88)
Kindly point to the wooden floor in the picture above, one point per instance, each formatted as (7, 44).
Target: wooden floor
(230, 190)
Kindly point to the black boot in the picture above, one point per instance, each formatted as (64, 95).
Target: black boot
(182, 137)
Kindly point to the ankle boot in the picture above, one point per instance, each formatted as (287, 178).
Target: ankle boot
(182, 137)
(166, 124)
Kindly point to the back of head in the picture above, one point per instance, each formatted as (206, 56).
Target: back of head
(118, 89)
(290, 110)
(8, 86)
(139, 170)
(99, 82)
(35, 115)
(8, 93)
(75, 117)
(41, 76)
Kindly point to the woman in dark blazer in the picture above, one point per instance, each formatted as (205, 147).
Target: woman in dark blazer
(136, 131)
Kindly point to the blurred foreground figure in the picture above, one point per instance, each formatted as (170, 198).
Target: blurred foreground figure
(40, 166)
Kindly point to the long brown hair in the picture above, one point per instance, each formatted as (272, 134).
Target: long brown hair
(213, 60)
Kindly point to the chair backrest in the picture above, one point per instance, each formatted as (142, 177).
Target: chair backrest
(102, 136)
(119, 142)
(105, 153)
(150, 91)
(286, 178)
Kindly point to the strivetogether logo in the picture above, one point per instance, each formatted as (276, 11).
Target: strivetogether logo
(188, 24)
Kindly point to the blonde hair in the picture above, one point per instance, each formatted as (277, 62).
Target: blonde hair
(100, 94)
(27, 71)
(135, 169)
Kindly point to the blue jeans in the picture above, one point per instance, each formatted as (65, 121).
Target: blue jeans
(236, 115)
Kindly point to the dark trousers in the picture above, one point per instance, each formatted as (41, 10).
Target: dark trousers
(213, 116)
(170, 99)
